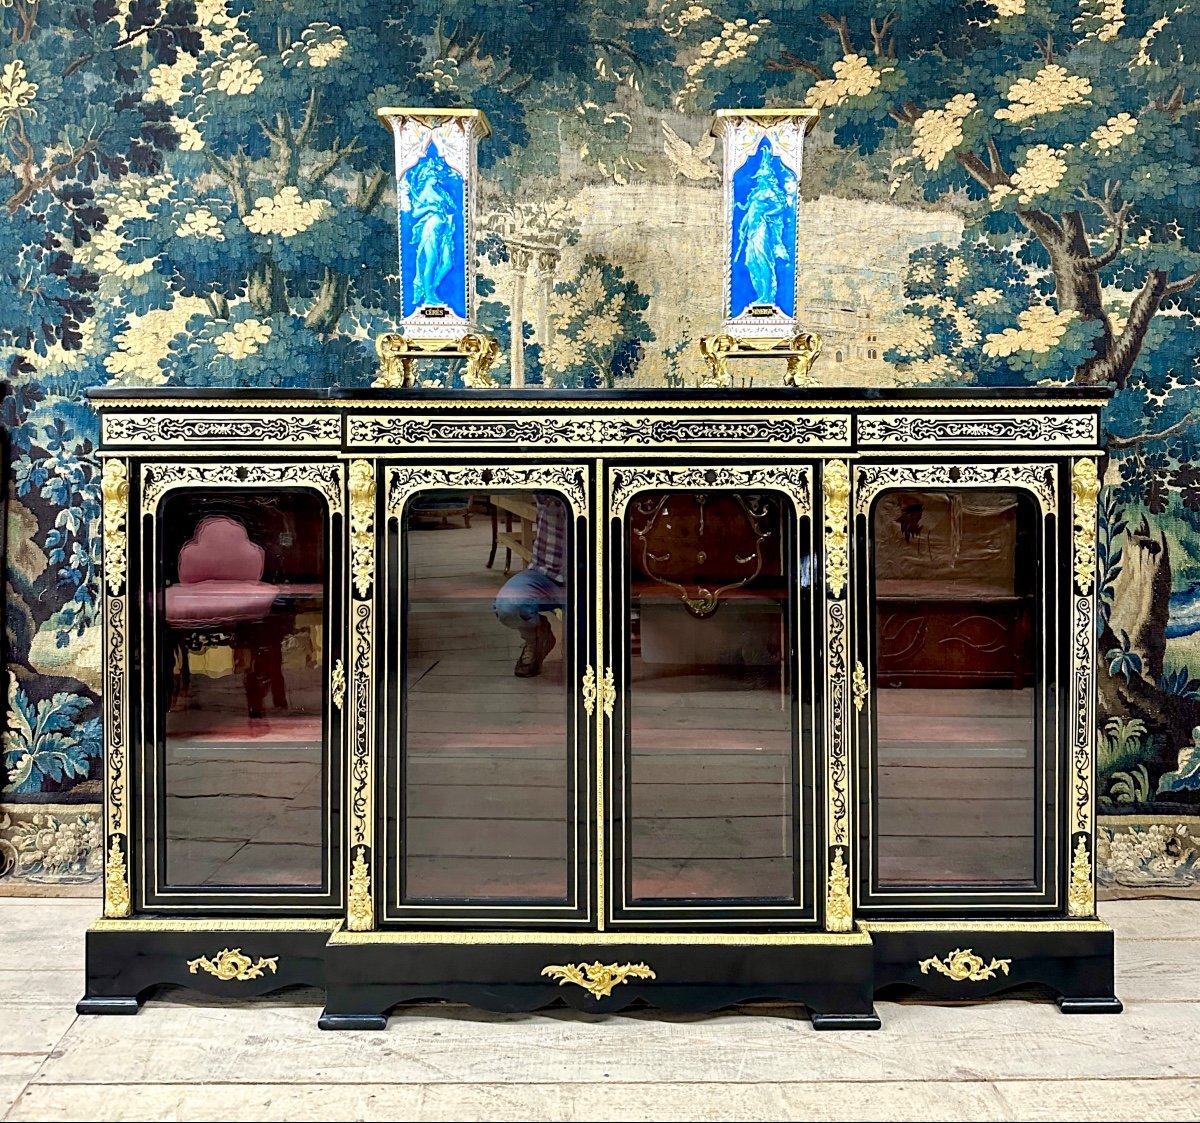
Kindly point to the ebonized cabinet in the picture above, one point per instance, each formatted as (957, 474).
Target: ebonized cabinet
(794, 698)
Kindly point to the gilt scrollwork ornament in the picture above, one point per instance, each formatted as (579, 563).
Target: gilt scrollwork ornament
(114, 490)
(716, 350)
(963, 965)
(117, 903)
(1081, 893)
(835, 483)
(859, 686)
(337, 686)
(598, 979)
(232, 965)
(607, 692)
(1085, 488)
(589, 690)
(839, 912)
(362, 522)
(360, 910)
(395, 362)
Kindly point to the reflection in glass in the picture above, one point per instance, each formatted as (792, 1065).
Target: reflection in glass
(241, 643)
(956, 578)
(486, 769)
(709, 769)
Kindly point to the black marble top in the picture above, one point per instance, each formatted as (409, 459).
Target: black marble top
(813, 395)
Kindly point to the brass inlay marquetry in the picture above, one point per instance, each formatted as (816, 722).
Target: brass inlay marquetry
(838, 910)
(871, 479)
(232, 965)
(790, 478)
(597, 978)
(963, 965)
(114, 489)
(324, 477)
(1085, 488)
(405, 480)
(241, 428)
(1005, 429)
(631, 430)
(360, 910)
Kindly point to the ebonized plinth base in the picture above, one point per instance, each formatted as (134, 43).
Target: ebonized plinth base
(364, 975)
(127, 959)
(973, 959)
(367, 974)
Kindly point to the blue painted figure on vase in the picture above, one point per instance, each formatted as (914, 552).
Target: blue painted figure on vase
(432, 228)
(762, 268)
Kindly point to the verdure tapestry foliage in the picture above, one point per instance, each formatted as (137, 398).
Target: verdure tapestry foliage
(1004, 192)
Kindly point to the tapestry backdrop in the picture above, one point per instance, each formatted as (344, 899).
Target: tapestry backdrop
(998, 192)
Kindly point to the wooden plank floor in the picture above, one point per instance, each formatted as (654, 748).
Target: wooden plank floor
(186, 1057)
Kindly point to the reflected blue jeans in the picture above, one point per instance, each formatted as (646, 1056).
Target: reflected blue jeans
(524, 597)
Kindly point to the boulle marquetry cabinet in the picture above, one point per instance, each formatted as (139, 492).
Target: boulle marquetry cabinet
(792, 698)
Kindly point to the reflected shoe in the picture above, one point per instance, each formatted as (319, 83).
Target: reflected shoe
(529, 662)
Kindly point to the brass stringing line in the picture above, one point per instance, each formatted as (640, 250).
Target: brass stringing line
(601, 842)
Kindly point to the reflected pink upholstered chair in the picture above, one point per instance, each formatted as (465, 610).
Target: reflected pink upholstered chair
(220, 587)
(220, 578)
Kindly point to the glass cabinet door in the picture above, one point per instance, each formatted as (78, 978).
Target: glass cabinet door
(487, 774)
(237, 631)
(954, 686)
(710, 744)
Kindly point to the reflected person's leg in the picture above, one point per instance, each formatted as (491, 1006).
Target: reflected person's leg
(519, 605)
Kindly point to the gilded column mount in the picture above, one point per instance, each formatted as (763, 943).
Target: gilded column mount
(114, 489)
(598, 979)
(835, 483)
(360, 910)
(117, 904)
(1081, 893)
(362, 522)
(838, 908)
(1085, 488)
